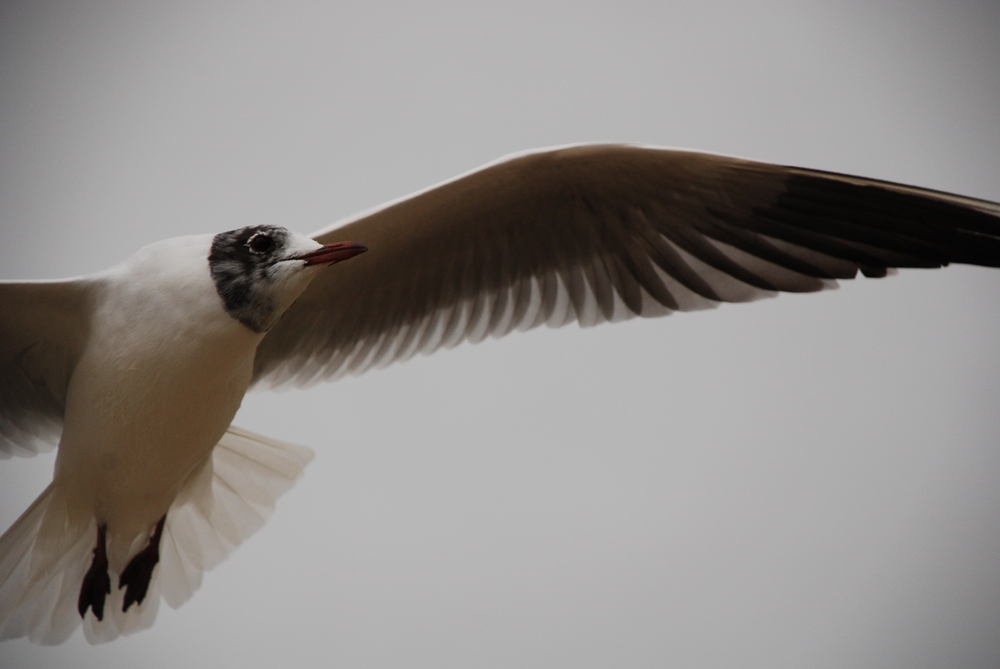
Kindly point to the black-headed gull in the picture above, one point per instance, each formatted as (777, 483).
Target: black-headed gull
(137, 371)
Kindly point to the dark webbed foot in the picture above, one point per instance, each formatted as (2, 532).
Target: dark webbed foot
(139, 571)
(96, 582)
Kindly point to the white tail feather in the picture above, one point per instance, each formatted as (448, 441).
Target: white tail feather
(45, 554)
(223, 504)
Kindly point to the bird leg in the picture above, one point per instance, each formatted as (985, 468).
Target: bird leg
(96, 582)
(139, 571)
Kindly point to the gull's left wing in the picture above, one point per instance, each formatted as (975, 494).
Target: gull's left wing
(600, 233)
(44, 326)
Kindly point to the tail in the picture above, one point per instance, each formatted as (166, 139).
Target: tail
(45, 554)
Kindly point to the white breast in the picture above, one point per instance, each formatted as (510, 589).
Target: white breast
(162, 375)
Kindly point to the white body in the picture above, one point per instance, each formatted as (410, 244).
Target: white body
(154, 393)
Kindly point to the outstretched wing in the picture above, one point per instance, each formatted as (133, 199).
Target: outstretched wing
(600, 233)
(43, 329)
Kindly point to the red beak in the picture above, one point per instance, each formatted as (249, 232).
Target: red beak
(332, 253)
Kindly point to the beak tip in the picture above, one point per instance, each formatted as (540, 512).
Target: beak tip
(329, 254)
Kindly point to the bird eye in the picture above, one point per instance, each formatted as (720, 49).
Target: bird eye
(260, 243)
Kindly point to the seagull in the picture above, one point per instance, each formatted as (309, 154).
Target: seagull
(137, 372)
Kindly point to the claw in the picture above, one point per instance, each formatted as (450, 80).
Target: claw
(137, 575)
(96, 582)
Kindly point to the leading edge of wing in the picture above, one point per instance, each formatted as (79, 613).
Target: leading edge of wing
(320, 234)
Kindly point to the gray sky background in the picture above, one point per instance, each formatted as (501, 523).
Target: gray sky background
(809, 481)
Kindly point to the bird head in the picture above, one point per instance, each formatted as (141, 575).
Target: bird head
(260, 270)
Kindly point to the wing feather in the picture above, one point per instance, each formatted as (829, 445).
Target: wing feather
(43, 328)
